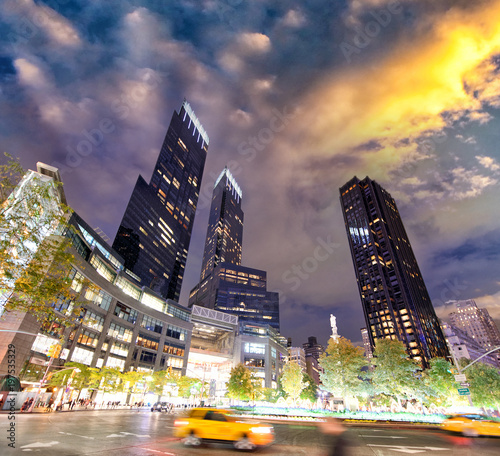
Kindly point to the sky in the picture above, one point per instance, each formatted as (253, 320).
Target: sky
(297, 97)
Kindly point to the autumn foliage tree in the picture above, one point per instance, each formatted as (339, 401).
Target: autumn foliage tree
(241, 384)
(35, 259)
(342, 363)
(394, 373)
(292, 380)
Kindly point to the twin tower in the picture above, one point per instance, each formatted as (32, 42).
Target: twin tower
(155, 231)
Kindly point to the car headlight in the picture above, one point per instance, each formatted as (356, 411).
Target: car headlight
(261, 430)
(178, 423)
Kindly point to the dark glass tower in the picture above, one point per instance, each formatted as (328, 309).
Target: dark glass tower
(225, 284)
(155, 231)
(395, 300)
(225, 225)
(240, 291)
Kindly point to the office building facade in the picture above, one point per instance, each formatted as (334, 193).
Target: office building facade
(225, 284)
(394, 297)
(313, 350)
(225, 225)
(465, 346)
(239, 291)
(476, 322)
(366, 343)
(155, 232)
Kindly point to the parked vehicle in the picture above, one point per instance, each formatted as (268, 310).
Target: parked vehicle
(161, 407)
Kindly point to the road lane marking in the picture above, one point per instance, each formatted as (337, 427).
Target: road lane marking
(410, 449)
(383, 436)
(158, 451)
(124, 434)
(39, 445)
(76, 435)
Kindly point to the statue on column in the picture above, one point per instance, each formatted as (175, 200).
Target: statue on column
(333, 324)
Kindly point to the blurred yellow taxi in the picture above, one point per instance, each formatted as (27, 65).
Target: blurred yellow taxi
(217, 426)
(472, 424)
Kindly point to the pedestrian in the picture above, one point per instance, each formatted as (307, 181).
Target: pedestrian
(336, 433)
(25, 405)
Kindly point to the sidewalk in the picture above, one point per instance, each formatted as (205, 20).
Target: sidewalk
(81, 409)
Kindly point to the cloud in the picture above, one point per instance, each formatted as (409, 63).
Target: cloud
(246, 46)
(294, 18)
(29, 18)
(491, 303)
(488, 162)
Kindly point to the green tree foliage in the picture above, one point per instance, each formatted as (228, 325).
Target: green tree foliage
(110, 380)
(292, 380)
(186, 385)
(342, 363)
(241, 384)
(484, 384)
(440, 382)
(269, 394)
(159, 380)
(133, 381)
(34, 257)
(394, 373)
(310, 392)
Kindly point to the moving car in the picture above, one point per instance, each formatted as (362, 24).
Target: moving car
(472, 424)
(216, 425)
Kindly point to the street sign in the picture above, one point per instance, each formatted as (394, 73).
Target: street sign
(465, 384)
(464, 391)
(460, 378)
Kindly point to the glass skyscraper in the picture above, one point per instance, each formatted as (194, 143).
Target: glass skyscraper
(155, 232)
(225, 285)
(395, 300)
(225, 225)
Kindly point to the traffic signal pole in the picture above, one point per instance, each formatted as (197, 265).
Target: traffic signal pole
(42, 382)
(458, 368)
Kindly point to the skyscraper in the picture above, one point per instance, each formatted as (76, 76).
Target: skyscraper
(476, 322)
(225, 284)
(395, 300)
(155, 231)
(225, 225)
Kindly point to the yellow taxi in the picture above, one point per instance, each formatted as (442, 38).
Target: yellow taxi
(217, 426)
(472, 425)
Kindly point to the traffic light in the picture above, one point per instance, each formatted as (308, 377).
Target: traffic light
(54, 351)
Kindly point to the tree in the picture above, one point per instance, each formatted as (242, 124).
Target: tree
(292, 380)
(131, 379)
(484, 384)
(310, 392)
(110, 380)
(394, 373)
(160, 379)
(241, 383)
(186, 385)
(34, 257)
(342, 363)
(441, 383)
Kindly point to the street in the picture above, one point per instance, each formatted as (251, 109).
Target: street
(145, 433)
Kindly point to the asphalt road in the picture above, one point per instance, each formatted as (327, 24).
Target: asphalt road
(132, 433)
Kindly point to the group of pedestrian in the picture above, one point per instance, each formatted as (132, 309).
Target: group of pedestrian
(27, 404)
